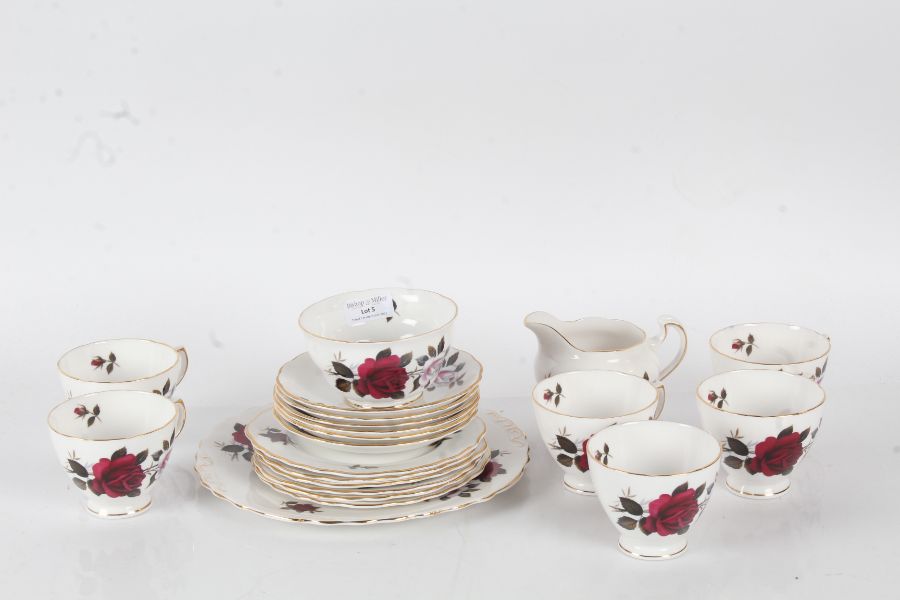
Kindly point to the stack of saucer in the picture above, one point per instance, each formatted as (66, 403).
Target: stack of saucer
(381, 411)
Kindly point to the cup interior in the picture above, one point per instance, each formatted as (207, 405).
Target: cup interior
(761, 393)
(417, 312)
(770, 343)
(594, 394)
(117, 414)
(117, 361)
(656, 447)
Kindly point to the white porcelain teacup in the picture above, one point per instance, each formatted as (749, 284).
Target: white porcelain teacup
(383, 347)
(773, 346)
(765, 421)
(122, 364)
(114, 446)
(570, 407)
(653, 479)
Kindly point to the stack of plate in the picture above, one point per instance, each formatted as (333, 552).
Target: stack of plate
(381, 411)
(298, 469)
(308, 407)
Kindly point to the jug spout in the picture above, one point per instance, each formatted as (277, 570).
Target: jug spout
(553, 346)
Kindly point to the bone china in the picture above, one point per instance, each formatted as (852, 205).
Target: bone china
(382, 347)
(775, 346)
(571, 407)
(114, 446)
(594, 343)
(766, 422)
(653, 479)
(123, 364)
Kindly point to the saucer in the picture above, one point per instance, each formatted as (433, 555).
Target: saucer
(301, 380)
(224, 467)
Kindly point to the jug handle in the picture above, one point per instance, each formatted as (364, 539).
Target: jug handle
(660, 401)
(665, 322)
(183, 359)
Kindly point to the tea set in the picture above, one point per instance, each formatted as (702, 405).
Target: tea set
(760, 412)
(379, 420)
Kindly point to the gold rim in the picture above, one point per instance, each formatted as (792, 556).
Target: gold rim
(517, 436)
(349, 502)
(249, 434)
(169, 368)
(635, 345)
(539, 384)
(362, 409)
(113, 439)
(633, 423)
(384, 476)
(338, 421)
(753, 362)
(335, 495)
(429, 438)
(703, 401)
(418, 335)
(118, 515)
(404, 477)
(743, 494)
(313, 426)
(652, 556)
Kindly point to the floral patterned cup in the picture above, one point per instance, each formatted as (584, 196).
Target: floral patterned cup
(570, 407)
(114, 446)
(766, 422)
(124, 364)
(383, 347)
(773, 346)
(653, 479)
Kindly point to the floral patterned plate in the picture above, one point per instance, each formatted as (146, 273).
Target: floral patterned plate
(223, 465)
(301, 380)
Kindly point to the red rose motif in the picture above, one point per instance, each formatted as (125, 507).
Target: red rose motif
(581, 461)
(97, 362)
(775, 456)
(118, 477)
(737, 344)
(81, 411)
(547, 394)
(240, 437)
(671, 514)
(489, 471)
(712, 397)
(381, 378)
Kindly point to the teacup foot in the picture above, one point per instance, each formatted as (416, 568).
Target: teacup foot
(757, 492)
(103, 513)
(578, 490)
(643, 552)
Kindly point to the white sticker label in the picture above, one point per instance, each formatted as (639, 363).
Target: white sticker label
(365, 309)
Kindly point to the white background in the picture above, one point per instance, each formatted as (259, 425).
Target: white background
(198, 172)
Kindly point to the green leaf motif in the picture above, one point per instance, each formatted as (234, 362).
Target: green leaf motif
(567, 444)
(383, 354)
(786, 431)
(734, 462)
(631, 507)
(680, 489)
(699, 491)
(737, 446)
(119, 453)
(80, 483)
(564, 459)
(141, 456)
(342, 369)
(78, 468)
(627, 523)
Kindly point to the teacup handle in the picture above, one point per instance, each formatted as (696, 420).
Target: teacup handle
(665, 322)
(660, 401)
(182, 416)
(183, 359)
